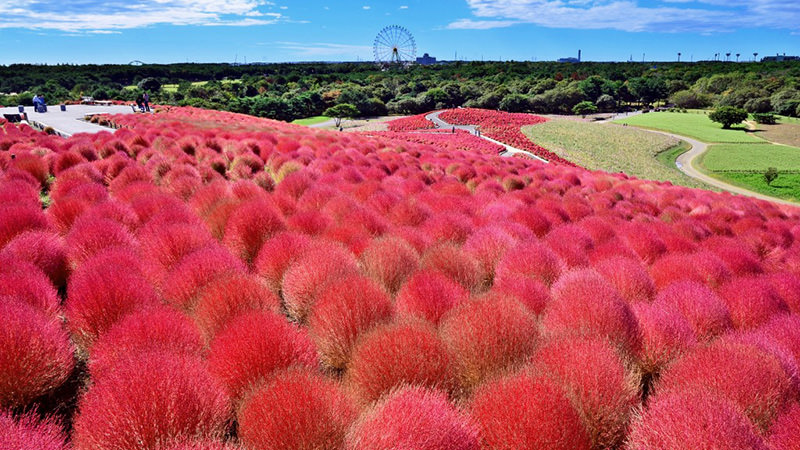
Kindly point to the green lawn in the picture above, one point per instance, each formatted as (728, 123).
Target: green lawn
(786, 186)
(613, 148)
(311, 120)
(693, 124)
(751, 157)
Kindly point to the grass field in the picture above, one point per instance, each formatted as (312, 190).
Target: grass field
(613, 148)
(786, 186)
(750, 157)
(695, 125)
(311, 120)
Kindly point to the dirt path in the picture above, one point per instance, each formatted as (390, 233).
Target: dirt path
(509, 150)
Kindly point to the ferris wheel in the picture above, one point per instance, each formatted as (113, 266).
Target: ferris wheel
(395, 45)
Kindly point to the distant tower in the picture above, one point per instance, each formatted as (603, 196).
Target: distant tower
(755, 55)
(679, 56)
(737, 57)
(728, 56)
(579, 56)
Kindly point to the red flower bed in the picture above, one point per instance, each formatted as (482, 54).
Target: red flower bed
(410, 123)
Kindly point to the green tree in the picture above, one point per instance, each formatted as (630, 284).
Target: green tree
(770, 175)
(515, 103)
(149, 84)
(341, 111)
(585, 107)
(728, 115)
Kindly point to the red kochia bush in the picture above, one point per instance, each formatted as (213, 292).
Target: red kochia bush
(520, 412)
(532, 293)
(158, 329)
(706, 313)
(30, 433)
(702, 267)
(297, 409)
(413, 417)
(785, 433)
(487, 336)
(389, 261)
(36, 356)
(255, 345)
(165, 243)
(429, 295)
(15, 220)
(102, 291)
(450, 260)
(346, 308)
(584, 304)
(228, 296)
(409, 352)
(666, 335)
(749, 377)
(752, 301)
(153, 400)
(24, 282)
(277, 254)
(531, 259)
(322, 262)
(692, 419)
(184, 283)
(787, 285)
(45, 250)
(249, 225)
(598, 382)
(629, 276)
(89, 236)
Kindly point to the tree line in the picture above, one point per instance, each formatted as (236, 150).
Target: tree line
(291, 91)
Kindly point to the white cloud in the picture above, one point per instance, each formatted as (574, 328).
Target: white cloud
(366, 7)
(697, 16)
(95, 16)
(323, 49)
(403, 7)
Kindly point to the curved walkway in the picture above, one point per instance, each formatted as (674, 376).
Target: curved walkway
(685, 164)
(69, 122)
(509, 150)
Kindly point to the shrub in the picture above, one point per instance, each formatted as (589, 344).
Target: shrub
(28, 432)
(409, 352)
(751, 301)
(345, 309)
(158, 329)
(629, 276)
(24, 282)
(741, 373)
(296, 409)
(184, 283)
(453, 262)
(165, 244)
(666, 335)
(389, 261)
(277, 254)
(229, 296)
(249, 225)
(706, 421)
(45, 250)
(253, 347)
(487, 246)
(531, 293)
(101, 292)
(413, 417)
(322, 262)
(429, 295)
(584, 304)
(36, 356)
(785, 432)
(701, 267)
(572, 243)
(15, 220)
(488, 336)
(765, 118)
(596, 379)
(525, 412)
(153, 400)
(89, 236)
(728, 115)
(706, 312)
(530, 259)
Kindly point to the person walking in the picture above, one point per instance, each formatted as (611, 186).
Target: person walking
(146, 100)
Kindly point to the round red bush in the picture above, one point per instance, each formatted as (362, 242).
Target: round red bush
(25, 283)
(153, 400)
(666, 335)
(450, 260)
(585, 304)
(697, 419)
(751, 301)
(749, 377)
(487, 246)
(629, 276)
(249, 225)
(705, 311)
(253, 347)
(521, 412)
(36, 356)
(277, 254)
(389, 261)
(488, 336)
(429, 295)
(532, 293)
(45, 250)
(296, 409)
(572, 243)
(165, 244)
(184, 283)
(597, 380)
(409, 352)
(530, 259)
(158, 329)
(413, 417)
(89, 236)
(15, 220)
(229, 296)
(345, 309)
(785, 432)
(702, 267)
(787, 285)
(28, 432)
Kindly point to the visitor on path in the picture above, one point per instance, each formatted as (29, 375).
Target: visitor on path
(454, 129)
(146, 100)
(140, 102)
(38, 104)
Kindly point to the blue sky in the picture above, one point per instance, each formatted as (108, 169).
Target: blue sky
(164, 31)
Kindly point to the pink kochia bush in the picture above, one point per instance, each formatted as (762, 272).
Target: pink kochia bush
(46, 250)
(152, 400)
(296, 409)
(429, 295)
(389, 261)
(785, 432)
(28, 432)
(413, 417)
(36, 356)
(521, 411)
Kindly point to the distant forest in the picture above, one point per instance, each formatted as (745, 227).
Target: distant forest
(291, 91)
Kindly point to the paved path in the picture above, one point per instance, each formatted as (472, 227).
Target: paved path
(327, 123)
(509, 150)
(685, 163)
(69, 122)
